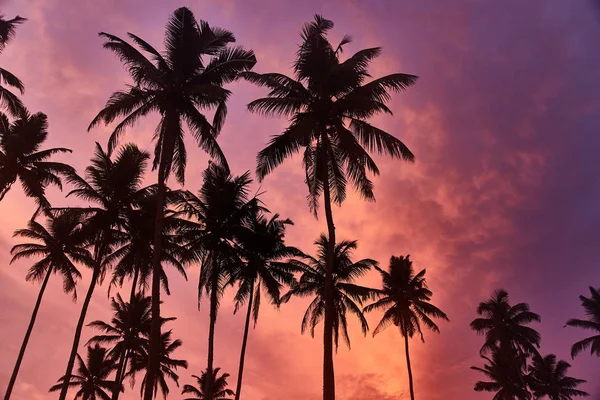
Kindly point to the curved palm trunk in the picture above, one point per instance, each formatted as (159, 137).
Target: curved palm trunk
(154, 357)
(410, 377)
(86, 303)
(238, 389)
(328, 372)
(123, 358)
(13, 377)
(211, 334)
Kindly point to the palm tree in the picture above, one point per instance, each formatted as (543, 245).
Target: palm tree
(219, 213)
(329, 104)
(262, 246)
(406, 298)
(57, 247)
(591, 306)
(347, 296)
(219, 385)
(8, 100)
(504, 325)
(548, 378)
(21, 157)
(505, 380)
(126, 332)
(113, 187)
(168, 365)
(92, 377)
(187, 77)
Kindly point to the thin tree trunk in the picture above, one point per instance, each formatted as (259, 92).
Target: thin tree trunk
(13, 377)
(211, 333)
(328, 372)
(123, 358)
(410, 377)
(153, 358)
(86, 303)
(238, 389)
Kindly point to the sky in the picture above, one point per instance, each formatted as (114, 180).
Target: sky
(504, 192)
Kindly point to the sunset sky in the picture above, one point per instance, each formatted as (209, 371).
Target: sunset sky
(505, 192)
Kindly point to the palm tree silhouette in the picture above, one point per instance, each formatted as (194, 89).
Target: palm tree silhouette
(591, 306)
(126, 332)
(547, 377)
(219, 385)
(113, 187)
(176, 84)
(262, 246)
(329, 103)
(504, 379)
(405, 298)
(168, 365)
(92, 377)
(347, 296)
(21, 157)
(218, 215)
(8, 100)
(57, 247)
(504, 325)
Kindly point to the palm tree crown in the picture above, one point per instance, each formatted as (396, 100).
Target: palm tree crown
(92, 375)
(8, 100)
(347, 296)
(328, 103)
(504, 379)
(591, 305)
(549, 378)
(21, 157)
(218, 385)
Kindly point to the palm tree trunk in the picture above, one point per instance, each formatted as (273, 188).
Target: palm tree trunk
(410, 377)
(238, 389)
(328, 372)
(86, 303)
(211, 333)
(154, 357)
(13, 377)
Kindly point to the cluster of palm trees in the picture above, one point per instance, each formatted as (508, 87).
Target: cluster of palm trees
(130, 232)
(514, 367)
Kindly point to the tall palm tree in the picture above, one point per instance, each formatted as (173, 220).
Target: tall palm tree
(406, 298)
(113, 188)
(21, 157)
(168, 365)
(591, 305)
(189, 75)
(219, 385)
(329, 103)
(58, 246)
(126, 332)
(347, 296)
(504, 325)
(262, 246)
(505, 380)
(8, 100)
(92, 376)
(219, 212)
(547, 377)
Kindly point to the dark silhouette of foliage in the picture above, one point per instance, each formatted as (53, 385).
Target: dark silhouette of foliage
(58, 246)
(504, 379)
(547, 377)
(189, 75)
(8, 100)
(218, 385)
(92, 376)
(21, 157)
(113, 189)
(405, 299)
(329, 102)
(348, 297)
(591, 305)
